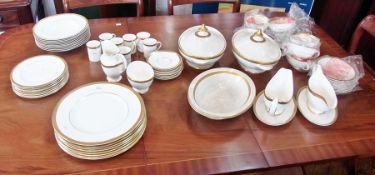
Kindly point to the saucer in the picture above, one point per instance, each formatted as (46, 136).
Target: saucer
(325, 119)
(262, 115)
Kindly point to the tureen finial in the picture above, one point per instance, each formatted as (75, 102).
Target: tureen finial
(203, 28)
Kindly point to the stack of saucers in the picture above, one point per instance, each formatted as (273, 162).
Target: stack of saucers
(60, 33)
(39, 76)
(167, 65)
(99, 120)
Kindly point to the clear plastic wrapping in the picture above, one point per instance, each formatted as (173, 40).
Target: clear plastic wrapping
(342, 73)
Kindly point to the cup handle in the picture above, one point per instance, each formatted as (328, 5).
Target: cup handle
(273, 106)
(159, 45)
(122, 57)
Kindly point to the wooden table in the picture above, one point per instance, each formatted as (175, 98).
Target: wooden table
(177, 140)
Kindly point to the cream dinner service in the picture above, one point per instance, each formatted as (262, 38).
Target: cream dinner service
(52, 34)
(106, 36)
(99, 120)
(318, 102)
(150, 45)
(275, 105)
(221, 93)
(140, 37)
(39, 76)
(167, 65)
(255, 52)
(201, 46)
(112, 61)
(140, 75)
(94, 50)
(130, 40)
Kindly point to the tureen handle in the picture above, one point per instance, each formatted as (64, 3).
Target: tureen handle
(258, 37)
(202, 32)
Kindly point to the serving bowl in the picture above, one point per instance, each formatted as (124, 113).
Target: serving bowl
(221, 93)
(201, 46)
(256, 52)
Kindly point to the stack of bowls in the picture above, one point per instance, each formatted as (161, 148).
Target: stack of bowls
(62, 32)
(201, 46)
(342, 76)
(39, 76)
(256, 52)
(167, 65)
(99, 120)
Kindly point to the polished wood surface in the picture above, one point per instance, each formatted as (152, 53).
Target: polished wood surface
(75, 4)
(15, 12)
(177, 140)
(171, 3)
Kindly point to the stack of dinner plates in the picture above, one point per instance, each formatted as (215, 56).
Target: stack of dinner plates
(60, 33)
(167, 65)
(99, 120)
(39, 76)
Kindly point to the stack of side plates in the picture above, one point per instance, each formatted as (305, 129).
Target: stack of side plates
(167, 65)
(39, 76)
(99, 120)
(60, 33)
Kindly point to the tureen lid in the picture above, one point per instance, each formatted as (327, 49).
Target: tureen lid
(202, 42)
(254, 46)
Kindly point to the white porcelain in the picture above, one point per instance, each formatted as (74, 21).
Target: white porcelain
(302, 52)
(321, 96)
(117, 41)
(106, 36)
(167, 65)
(265, 117)
(282, 24)
(140, 75)
(97, 113)
(112, 61)
(305, 39)
(221, 93)
(256, 21)
(38, 70)
(256, 52)
(127, 52)
(325, 119)
(279, 91)
(130, 41)
(302, 66)
(150, 45)
(94, 50)
(140, 37)
(202, 46)
(51, 33)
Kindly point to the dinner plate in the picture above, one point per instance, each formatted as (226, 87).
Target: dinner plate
(60, 26)
(38, 70)
(221, 93)
(97, 113)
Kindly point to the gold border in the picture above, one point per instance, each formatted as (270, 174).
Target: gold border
(235, 50)
(33, 57)
(307, 118)
(145, 81)
(175, 67)
(54, 124)
(202, 57)
(112, 66)
(257, 115)
(87, 24)
(316, 94)
(281, 102)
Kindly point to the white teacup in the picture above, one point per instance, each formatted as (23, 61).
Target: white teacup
(140, 37)
(130, 41)
(106, 36)
(94, 50)
(321, 96)
(150, 45)
(140, 75)
(279, 91)
(127, 52)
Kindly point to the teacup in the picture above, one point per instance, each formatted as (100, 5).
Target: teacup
(321, 96)
(94, 50)
(130, 41)
(127, 52)
(150, 45)
(140, 37)
(140, 76)
(279, 92)
(106, 36)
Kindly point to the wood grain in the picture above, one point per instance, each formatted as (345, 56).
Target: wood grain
(177, 140)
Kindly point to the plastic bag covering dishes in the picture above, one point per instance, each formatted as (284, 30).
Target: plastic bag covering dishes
(342, 73)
